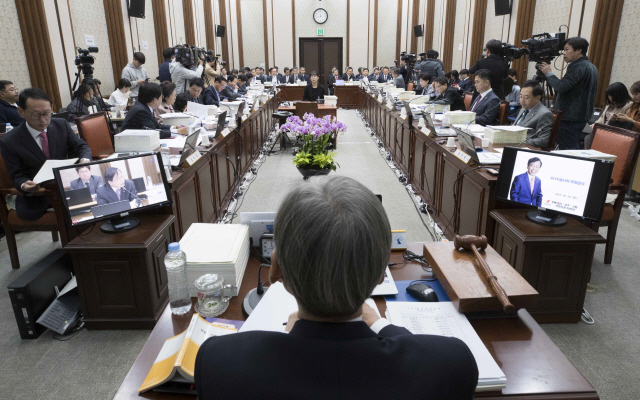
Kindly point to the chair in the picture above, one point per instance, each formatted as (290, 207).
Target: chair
(410, 87)
(557, 117)
(624, 145)
(503, 116)
(94, 129)
(303, 107)
(468, 98)
(49, 222)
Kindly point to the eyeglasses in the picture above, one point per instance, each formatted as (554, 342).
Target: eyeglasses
(37, 115)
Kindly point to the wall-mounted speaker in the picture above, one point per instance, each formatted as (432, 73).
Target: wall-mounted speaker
(220, 30)
(503, 7)
(136, 8)
(417, 30)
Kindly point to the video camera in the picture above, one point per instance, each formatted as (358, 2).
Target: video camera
(540, 48)
(189, 55)
(409, 58)
(84, 61)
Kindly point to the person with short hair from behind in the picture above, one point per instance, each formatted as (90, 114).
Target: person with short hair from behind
(398, 81)
(26, 148)
(534, 115)
(450, 94)
(633, 114)
(181, 102)
(486, 105)
(120, 96)
(164, 72)
(135, 73)
(8, 104)
(141, 114)
(495, 64)
(431, 66)
(576, 92)
(332, 245)
(182, 74)
(196, 90)
(82, 100)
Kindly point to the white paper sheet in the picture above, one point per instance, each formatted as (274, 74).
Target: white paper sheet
(46, 171)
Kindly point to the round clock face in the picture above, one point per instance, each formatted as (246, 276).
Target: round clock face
(320, 15)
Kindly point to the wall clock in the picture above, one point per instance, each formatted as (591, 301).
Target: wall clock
(320, 15)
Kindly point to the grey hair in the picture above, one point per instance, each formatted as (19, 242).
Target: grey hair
(333, 242)
(395, 71)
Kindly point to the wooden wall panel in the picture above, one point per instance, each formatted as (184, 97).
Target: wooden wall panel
(602, 45)
(265, 25)
(477, 40)
(415, 17)
(239, 27)
(398, 33)
(524, 30)
(222, 6)
(37, 46)
(189, 22)
(160, 26)
(429, 25)
(449, 31)
(208, 25)
(117, 38)
(375, 32)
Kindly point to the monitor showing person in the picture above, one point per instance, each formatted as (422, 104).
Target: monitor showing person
(117, 188)
(527, 188)
(87, 180)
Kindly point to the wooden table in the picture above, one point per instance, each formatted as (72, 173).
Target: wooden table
(556, 261)
(534, 366)
(348, 96)
(323, 110)
(291, 93)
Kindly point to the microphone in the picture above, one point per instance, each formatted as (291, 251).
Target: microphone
(254, 296)
(138, 199)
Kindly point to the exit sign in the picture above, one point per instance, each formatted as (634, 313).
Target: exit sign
(320, 31)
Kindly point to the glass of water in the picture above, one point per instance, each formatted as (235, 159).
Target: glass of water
(213, 295)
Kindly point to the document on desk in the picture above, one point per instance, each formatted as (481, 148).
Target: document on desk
(443, 319)
(46, 171)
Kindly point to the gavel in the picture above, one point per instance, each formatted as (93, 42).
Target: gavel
(473, 243)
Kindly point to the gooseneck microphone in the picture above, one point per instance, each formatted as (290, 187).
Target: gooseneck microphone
(254, 296)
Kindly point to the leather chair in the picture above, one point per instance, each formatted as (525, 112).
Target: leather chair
(624, 144)
(410, 86)
(303, 107)
(557, 117)
(468, 98)
(49, 222)
(503, 115)
(94, 129)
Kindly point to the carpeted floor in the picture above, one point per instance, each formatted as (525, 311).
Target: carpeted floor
(94, 363)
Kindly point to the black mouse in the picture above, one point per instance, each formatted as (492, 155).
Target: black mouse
(422, 292)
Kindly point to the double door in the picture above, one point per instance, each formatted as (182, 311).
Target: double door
(321, 55)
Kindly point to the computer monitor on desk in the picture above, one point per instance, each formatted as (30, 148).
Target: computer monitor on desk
(556, 184)
(117, 197)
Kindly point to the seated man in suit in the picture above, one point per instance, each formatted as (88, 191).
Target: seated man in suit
(86, 180)
(349, 76)
(196, 86)
(398, 80)
(242, 84)
(303, 75)
(450, 94)
(27, 147)
(385, 76)
(230, 91)
(273, 77)
(337, 346)
(213, 94)
(527, 188)
(465, 83)
(8, 104)
(331, 82)
(375, 75)
(486, 105)
(534, 115)
(364, 74)
(117, 189)
(140, 116)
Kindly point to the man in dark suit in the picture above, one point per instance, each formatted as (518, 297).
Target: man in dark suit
(497, 66)
(117, 189)
(86, 180)
(26, 148)
(196, 86)
(242, 84)
(331, 82)
(486, 105)
(302, 76)
(348, 76)
(337, 346)
(465, 83)
(385, 76)
(527, 188)
(230, 90)
(255, 77)
(534, 115)
(213, 94)
(8, 109)
(444, 92)
(140, 116)
(274, 77)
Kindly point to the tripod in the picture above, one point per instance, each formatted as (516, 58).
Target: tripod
(283, 138)
(86, 71)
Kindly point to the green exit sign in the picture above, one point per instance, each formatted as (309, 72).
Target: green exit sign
(320, 31)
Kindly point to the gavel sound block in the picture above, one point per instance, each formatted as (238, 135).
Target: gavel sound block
(470, 285)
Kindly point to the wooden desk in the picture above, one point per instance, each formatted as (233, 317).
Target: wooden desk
(84, 205)
(534, 366)
(347, 96)
(322, 110)
(291, 93)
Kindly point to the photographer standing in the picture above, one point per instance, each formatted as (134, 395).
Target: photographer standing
(431, 66)
(576, 92)
(497, 66)
(181, 75)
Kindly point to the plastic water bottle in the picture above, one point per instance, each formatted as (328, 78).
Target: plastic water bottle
(166, 159)
(445, 120)
(9, 127)
(176, 263)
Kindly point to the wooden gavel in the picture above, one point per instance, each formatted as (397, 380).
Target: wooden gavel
(471, 242)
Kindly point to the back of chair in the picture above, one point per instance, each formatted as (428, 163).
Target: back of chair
(468, 97)
(503, 116)
(94, 129)
(557, 117)
(303, 107)
(623, 144)
(5, 180)
(410, 86)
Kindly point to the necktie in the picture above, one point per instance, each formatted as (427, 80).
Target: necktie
(45, 143)
(520, 120)
(118, 192)
(531, 184)
(86, 184)
(477, 102)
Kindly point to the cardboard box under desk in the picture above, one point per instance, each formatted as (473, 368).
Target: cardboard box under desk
(463, 279)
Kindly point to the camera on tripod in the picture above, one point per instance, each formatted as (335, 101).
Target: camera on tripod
(409, 58)
(540, 48)
(84, 61)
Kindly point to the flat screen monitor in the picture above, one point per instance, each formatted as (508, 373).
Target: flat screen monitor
(113, 189)
(555, 184)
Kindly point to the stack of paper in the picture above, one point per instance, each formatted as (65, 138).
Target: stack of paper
(177, 119)
(460, 117)
(595, 154)
(443, 319)
(474, 129)
(133, 140)
(221, 249)
(331, 100)
(505, 134)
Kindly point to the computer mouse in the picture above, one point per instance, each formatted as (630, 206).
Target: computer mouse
(422, 292)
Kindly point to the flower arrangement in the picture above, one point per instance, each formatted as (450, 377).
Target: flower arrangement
(315, 133)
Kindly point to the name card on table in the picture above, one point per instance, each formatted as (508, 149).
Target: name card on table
(225, 132)
(462, 156)
(244, 117)
(193, 158)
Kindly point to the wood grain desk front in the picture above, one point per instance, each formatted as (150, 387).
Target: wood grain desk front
(534, 366)
(323, 110)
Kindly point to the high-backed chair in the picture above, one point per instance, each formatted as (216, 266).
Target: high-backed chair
(303, 107)
(503, 115)
(557, 117)
(624, 144)
(12, 223)
(410, 86)
(468, 98)
(94, 129)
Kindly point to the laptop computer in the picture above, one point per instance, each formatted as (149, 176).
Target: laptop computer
(439, 132)
(222, 120)
(111, 208)
(78, 196)
(140, 187)
(483, 157)
(189, 146)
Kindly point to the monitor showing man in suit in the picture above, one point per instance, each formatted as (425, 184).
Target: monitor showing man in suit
(87, 180)
(117, 188)
(527, 187)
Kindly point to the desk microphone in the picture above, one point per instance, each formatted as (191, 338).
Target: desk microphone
(254, 296)
(138, 199)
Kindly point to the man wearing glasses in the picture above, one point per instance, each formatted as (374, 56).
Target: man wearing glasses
(8, 108)
(26, 148)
